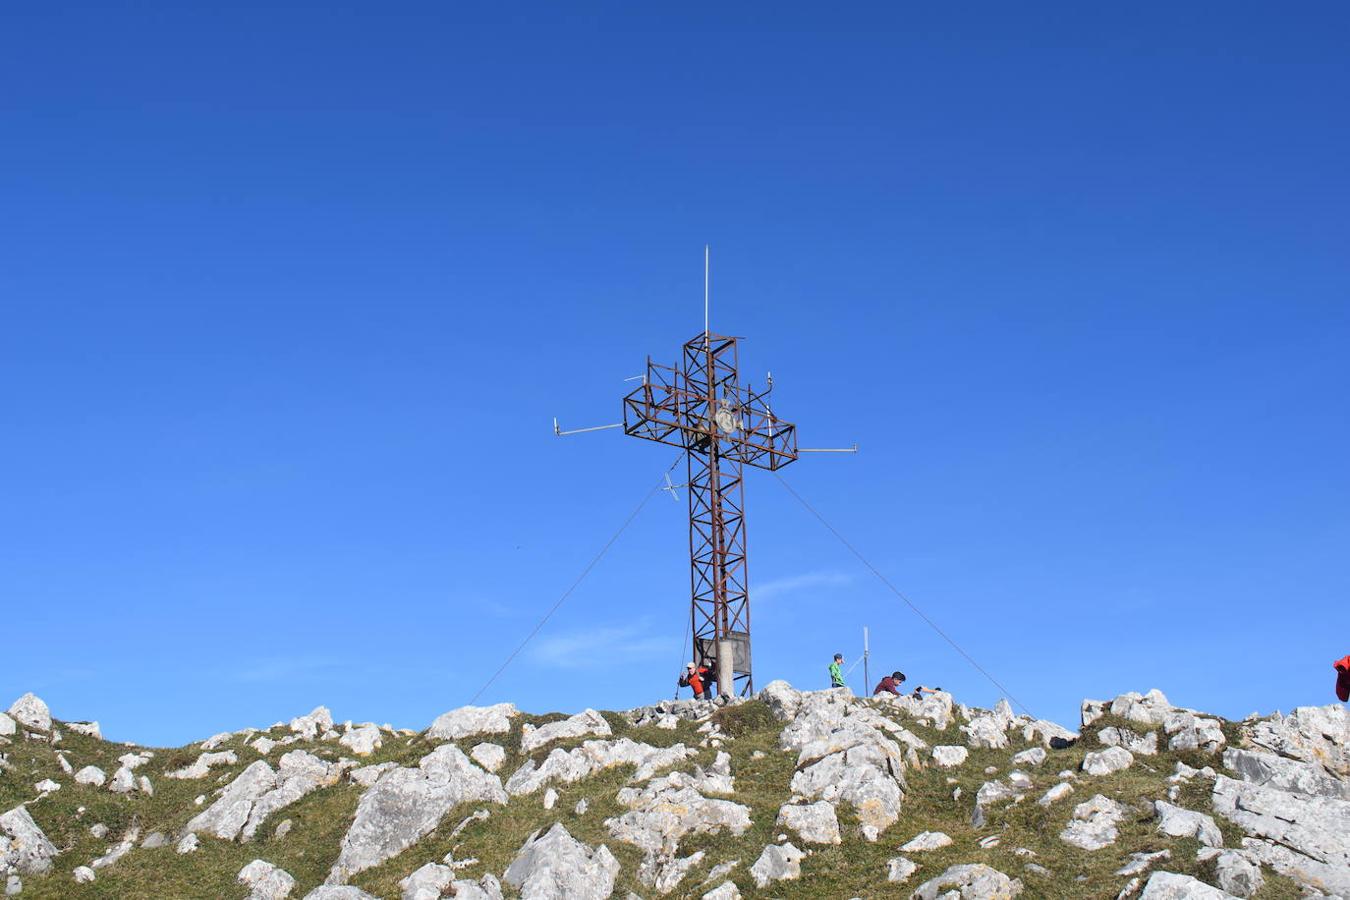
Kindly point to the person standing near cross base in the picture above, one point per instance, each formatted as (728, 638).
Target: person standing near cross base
(837, 671)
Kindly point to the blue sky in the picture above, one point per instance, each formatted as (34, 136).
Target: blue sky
(289, 296)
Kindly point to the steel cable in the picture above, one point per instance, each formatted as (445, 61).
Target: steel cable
(660, 484)
(894, 590)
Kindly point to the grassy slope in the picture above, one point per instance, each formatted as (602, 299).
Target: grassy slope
(855, 868)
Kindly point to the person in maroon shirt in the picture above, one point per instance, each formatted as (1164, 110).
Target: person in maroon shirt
(890, 684)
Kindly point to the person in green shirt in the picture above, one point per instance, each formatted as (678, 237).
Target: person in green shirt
(837, 671)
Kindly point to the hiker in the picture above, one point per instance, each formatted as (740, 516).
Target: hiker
(890, 684)
(698, 678)
(1342, 667)
(921, 690)
(837, 671)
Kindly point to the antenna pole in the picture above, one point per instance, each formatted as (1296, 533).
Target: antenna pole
(706, 255)
(867, 679)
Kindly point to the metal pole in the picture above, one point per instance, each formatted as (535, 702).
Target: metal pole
(867, 679)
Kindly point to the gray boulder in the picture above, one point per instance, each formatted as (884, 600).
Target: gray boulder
(314, 725)
(1305, 838)
(489, 756)
(91, 775)
(1293, 776)
(1105, 762)
(664, 811)
(427, 883)
(23, 846)
(265, 881)
(1178, 822)
(7, 725)
(815, 823)
(949, 757)
(1319, 734)
(969, 882)
(782, 699)
(1138, 744)
(30, 712)
(585, 723)
(1170, 886)
(1146, 709)
(338, 892)
(778, 862)
(986, 732)
(556, 866)
(470, 721)
(1093, 825)
(1237, 874)
(568, 766)
(405, 804)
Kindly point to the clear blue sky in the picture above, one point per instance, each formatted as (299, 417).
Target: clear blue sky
(289, 296)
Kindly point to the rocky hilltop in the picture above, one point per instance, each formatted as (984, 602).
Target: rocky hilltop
(792, 794)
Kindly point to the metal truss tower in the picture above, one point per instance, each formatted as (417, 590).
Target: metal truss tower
(702, 408)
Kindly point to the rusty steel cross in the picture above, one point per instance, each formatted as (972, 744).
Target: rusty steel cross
(702, 408)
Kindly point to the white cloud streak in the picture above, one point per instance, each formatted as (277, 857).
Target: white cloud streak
(778, 588)
(593, 648)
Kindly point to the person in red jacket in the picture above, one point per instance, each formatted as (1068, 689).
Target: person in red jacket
(1342, 667)
(699, 679)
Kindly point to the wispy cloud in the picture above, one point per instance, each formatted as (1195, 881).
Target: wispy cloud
(602, 646)
(778, 588)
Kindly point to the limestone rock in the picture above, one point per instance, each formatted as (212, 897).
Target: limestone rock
(489, 756)
(1092, 710)
(362, 740)
(266, 881)
(368, 775)
(986, 732)
(91, 775)
(926, 840)
(969, 882)
(215, 740)
(663, 812)
(778, 862)
(899, 869)
(470, 721)
(783, 701)
(122, 848)
(556, 866)
(7, 725)
(84, 875)
(1033, 757)
(405, 804)
(263, 745)
(1146, 709)
(154, 840)
(202, 767)
(30, 712)
(1140, 862)
(123, 781)
(1319, 734)
(311, 726)
(663, 874)
(587, 722)
(485, 888)
(949, 757)
(1138, 744)
(259, 791)
(1093, 825)
(88, 729)
(1178, 822)
(1283, 774)
(188, 844)
(427, 883)
(815, 823)
(1058, 792)
(13, 886)
(1049, 734)
(1237, 874)
(727, 890)
(1104, 762)
(338, 892)
(1305, 838)
(1170, 886)
(23, 846)
(1191, 732)
(568, 766)
(47, 786)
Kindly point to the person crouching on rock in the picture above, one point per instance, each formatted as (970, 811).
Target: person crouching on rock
(890, 684)
(921, 690)
(697, 678)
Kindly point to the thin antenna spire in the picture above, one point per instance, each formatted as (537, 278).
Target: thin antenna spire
(706, 331)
